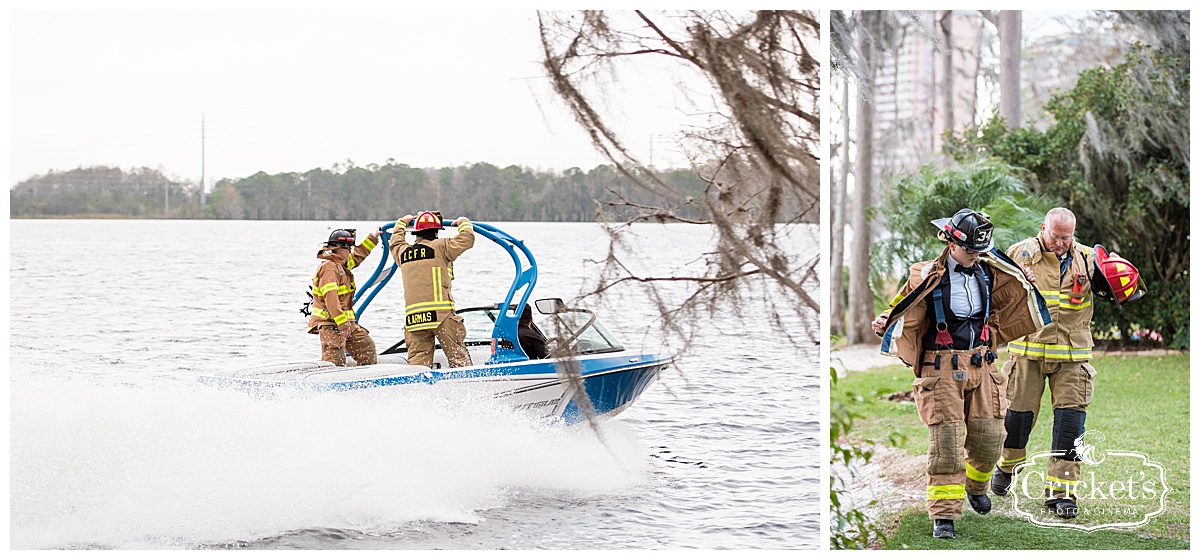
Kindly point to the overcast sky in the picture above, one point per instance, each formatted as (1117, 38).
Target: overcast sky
(287, 91)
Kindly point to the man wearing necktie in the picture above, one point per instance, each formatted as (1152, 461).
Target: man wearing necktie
(945, 323)
(1068, 277)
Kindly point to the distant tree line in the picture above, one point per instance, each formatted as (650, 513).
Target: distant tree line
(104, 192)
(346, 192)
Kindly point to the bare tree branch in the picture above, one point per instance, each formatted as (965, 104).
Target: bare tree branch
(754, 149)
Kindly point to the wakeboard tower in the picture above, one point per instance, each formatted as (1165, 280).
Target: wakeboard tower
(588, 372)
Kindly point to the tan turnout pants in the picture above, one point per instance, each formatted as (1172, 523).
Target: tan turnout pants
(964, 409)
(359, 344)
(1072, 385)
(450, 333)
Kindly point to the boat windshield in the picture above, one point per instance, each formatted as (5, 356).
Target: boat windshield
(589, 335)
(582, 331)
(479, 322)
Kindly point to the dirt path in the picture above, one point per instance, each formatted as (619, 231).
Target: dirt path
(859, 357)
(893, 479)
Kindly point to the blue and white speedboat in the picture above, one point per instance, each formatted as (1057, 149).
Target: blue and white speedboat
(589, 371)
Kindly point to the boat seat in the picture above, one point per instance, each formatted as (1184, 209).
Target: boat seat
(390, 359)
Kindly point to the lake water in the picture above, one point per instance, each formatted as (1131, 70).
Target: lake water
(114, 445)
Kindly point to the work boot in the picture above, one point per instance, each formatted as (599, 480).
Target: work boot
(1064, 507)
(943, 528)
(980, 503)
(1001, 482)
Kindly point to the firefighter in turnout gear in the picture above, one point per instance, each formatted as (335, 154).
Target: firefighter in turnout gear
(945, 323)
(1068, 275)
(427, 267)
(333, 288)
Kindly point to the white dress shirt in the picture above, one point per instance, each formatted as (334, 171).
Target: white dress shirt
(966, 298)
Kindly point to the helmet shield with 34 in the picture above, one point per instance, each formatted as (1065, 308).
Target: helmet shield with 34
(967, 228)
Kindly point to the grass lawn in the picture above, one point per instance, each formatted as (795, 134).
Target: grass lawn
(1140, 404)
(974, 532)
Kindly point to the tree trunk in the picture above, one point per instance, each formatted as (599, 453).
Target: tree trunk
(858, 328)
(837, 230)
(947, 80)
(976, 56)
(1010, 67)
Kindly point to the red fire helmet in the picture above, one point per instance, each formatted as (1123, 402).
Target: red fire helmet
(1118, 278)
(427, 220)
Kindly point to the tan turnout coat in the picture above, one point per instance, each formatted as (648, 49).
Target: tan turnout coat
(1069, 338)
(333, 285)
(1017, 308)
(427, 268)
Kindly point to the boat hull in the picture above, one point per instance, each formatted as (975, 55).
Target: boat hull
(541, 388)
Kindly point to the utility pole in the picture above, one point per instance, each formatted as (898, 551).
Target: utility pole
(167, 199)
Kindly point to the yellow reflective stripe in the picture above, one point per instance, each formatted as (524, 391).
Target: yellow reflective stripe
(1066, 304)
(424, 326)
(429, 306)
(437, 284)
(1041, 350)
(325, 314)
(1021, 349)
(342, 318)
(976, 474)
(345, 316)
(342, 289)
(350, 261)
(370, 245)
(947, 492)
(896, 300)
(1011, 462)
(466, 225)
(1064, 351)
(320, 291)
(1063, 300)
